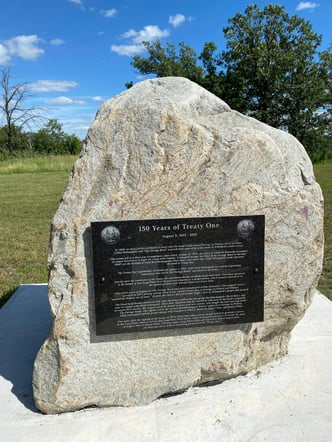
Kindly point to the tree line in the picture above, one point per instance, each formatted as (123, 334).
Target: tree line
(272, 69)
(16, 136)
(50, 139)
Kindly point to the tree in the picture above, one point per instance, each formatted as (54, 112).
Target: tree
(213, 77)
(182, 62)
(51, 139)
(21, 140)
(280, 76)
(271, 69)
(165, 62)
(15, 115)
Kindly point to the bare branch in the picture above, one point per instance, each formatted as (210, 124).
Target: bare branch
(12, 97)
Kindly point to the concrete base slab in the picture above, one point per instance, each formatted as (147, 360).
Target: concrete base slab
(287, 400)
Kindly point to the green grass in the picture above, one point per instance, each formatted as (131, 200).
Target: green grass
(323, 174)
(27, 204)
(30, 192)
(37, 164)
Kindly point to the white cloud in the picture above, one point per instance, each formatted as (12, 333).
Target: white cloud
(24, 46)
(64, 100)
(57, 42)
(306, 5)
(108, 12)
(176, 20)
(4, 55)
(128, 50)
(148, 33)
(135, 46)
(78, 3)
(97, 98)
(52, 85)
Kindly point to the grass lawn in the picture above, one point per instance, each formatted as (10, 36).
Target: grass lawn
(323, 174)
(30, 194)
(29, 199)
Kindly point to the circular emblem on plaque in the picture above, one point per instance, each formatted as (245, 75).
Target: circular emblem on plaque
(110, 235)
(245, 228)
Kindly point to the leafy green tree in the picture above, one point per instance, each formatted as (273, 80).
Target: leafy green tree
(166, 61)
(51, 139)
(20, 141)
(73, 144)
(271, 69)
(182, 61)
(280, 77)
(213, 77)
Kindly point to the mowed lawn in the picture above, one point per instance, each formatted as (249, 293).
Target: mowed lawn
(29, 199)
(323, 174)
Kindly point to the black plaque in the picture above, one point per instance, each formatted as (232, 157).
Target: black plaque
(178, 273)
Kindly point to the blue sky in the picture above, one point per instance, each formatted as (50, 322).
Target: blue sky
(76, 53)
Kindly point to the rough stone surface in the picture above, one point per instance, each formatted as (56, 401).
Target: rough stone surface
(167, 148)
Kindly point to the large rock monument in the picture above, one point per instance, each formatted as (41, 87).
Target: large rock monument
(164, 149)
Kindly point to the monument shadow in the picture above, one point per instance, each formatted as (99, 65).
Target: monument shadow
(24, 325)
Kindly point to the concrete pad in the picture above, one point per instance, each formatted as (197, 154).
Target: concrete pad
(287, 400)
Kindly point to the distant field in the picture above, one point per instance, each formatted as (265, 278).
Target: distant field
(30, 193)
(38, 164)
